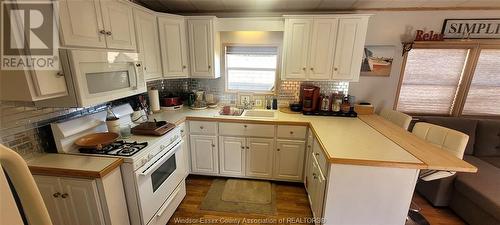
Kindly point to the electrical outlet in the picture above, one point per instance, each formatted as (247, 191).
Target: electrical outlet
(258, 103)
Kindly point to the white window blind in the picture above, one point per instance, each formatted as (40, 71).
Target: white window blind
(430, 80)
(251, 68)
(484, 92)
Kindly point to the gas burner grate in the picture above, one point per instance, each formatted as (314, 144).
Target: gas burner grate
(118, 148)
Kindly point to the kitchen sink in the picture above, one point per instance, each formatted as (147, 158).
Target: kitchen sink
(259, 113)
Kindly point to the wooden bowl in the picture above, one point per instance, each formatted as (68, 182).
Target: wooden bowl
(97, 140)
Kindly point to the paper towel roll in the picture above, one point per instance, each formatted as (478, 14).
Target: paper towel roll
(154, 100)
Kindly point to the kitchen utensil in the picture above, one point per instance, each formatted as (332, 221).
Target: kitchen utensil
(295, 107)
(156, 128)
(97, 140)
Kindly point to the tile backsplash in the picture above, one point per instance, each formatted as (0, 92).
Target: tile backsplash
(288, 91)
(26, 129)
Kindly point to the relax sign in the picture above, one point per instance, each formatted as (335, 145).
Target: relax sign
(471, 28)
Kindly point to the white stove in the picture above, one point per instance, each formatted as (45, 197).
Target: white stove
(154, 167)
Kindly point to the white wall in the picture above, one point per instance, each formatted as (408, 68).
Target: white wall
(389, 28)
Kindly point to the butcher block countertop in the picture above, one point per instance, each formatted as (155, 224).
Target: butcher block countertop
(367, 140)
(68, 165)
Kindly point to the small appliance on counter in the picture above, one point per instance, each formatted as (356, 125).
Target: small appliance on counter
(200, 102)
(309, 98)
(171, 102)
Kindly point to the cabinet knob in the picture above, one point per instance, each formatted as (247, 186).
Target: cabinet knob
(65, 195)
(309, 146)
(316, 154)
(242, 147)
(145, 68)
(56, 195)
(312, 69)
(201, 127)
(335, 69)
(184, 67)
(245, 126)
(209, 67)
(315, 176)
(248, 147)
(109, 33)
(59, 74)
(102, 32)
(291, 132)
(303, 68)
(278, 149)
(213, 145)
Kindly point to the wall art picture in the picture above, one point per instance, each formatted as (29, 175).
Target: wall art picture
(377, 60)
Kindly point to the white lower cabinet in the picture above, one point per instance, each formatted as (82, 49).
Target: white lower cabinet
(71, 200)
(289, 160)
(204, 154)
(249, 157)
(259, 157)
(232, 156)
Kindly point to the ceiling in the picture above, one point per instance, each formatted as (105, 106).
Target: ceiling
(201, 6)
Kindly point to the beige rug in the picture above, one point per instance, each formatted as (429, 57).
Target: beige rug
(241, 196)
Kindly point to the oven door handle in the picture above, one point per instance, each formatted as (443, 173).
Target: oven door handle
(160, 161)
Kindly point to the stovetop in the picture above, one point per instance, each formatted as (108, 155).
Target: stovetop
(117, 148)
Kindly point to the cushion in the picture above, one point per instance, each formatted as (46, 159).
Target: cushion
(466, 126)
(495, 161)
(483, 187)
(487, 138)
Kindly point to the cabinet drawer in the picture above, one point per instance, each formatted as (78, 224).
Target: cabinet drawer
(245, 129)
(202, 127)
(320, 157)
(292, 132)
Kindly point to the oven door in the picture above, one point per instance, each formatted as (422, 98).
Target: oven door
(102, 76)
(158, 180)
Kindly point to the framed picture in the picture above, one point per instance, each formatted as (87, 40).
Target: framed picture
(377, 60)
(471, 28)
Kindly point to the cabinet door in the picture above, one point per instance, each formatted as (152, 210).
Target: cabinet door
(81, 199)
(349, 48)
(200, 33)
(322, 49)
(81, 23)
(232, 156)
(119, 24)
(49, 83)
(173, 47)
(185, 147)
(296, 50)
(204, 154)
(51, 193)
(308, 159)
(148, 43)
(317, 192)
(289, 160)
(259, 157)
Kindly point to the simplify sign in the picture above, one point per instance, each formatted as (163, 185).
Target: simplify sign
(471, 28)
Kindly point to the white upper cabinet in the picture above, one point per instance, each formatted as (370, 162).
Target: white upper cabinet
(97, 24)
(173, 46)
(204, 46)
(326, 47)
(148, 43)
(297, 34)
(349, 50)
(81, 23)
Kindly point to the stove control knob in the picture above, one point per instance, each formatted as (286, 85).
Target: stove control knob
(144, 161)
(150, 156)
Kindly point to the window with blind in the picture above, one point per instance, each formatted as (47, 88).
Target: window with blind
(251, 68)
(483, 97)
(430, 81)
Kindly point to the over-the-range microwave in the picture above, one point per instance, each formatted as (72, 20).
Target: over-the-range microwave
(98, 76)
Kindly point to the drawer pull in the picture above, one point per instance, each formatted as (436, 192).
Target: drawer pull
(309, 146)
(315, 176)
(248, 147)
(278, 149)
(201, 127)
(245, 126)
(56, 195)
(213, 145)
(242, 147)
(316, 154)
(65, 195)
(291, 132)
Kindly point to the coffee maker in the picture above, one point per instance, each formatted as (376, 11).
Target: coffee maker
(309, 98)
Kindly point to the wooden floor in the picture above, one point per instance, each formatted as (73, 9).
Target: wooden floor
(291, 203)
